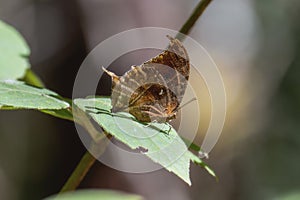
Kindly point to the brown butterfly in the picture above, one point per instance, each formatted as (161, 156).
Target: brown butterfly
(154, 90)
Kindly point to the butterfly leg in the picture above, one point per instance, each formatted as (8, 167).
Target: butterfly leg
(170, 128)
(168, 131)
(151, 113)
(150, 124)
(155, 109)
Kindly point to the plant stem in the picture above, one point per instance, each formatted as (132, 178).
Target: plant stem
(32, 79)
(85, 164)
(188, 25)
(79, 173)
(99, 142)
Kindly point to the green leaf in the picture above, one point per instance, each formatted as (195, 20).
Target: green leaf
(17, 95)
(95, 195)
(191, 145)
(198, 161)
(160, 142)
(14, 53)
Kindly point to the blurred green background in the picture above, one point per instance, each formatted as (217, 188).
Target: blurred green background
(255, 43)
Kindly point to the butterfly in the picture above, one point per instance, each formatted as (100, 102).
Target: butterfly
(153, 90)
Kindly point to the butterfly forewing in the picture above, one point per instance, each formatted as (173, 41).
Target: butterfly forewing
(177, 73)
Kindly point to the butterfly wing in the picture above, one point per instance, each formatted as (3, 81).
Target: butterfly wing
(159, 84)
(177, 67)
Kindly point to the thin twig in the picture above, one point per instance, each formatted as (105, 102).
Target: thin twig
(79, 173)
(188, 25)
(85, 164)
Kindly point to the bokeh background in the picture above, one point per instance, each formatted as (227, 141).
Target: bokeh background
(255, 43)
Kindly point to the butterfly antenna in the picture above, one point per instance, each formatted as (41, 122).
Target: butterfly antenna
(190, 101)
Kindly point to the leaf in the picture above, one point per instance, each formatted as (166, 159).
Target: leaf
(192, 145)
(14, 53)
(160, 142)
(17, 95)
(95, 195)
(198, 161)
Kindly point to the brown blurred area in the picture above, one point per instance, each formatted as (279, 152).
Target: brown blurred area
(255, 44)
